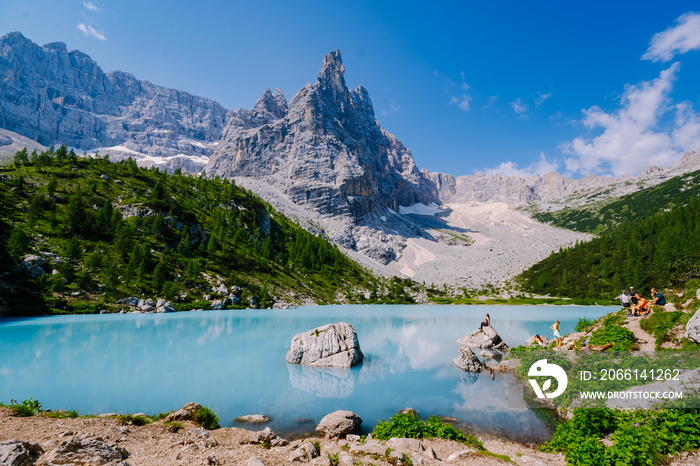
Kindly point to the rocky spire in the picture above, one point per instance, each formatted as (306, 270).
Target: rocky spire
(268, 106)
(330, 82)
(280, 99)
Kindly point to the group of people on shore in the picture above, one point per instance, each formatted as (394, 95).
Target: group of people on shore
(637, 305)
(634, 302)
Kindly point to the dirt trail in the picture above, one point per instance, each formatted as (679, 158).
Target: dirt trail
(646, 341)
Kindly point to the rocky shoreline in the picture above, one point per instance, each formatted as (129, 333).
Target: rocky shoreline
(108, 440)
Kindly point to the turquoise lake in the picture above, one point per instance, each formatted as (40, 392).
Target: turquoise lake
(234, 362)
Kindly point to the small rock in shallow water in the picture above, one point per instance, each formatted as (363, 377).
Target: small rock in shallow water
(253, 418)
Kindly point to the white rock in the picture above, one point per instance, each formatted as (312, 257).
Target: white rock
(692, 328)
(82, 450)
(186, 413)
(338, 423)
(333, 345)
(486, 338)
(404, 444)
(19, 452)
(460, 454)
(253, 418)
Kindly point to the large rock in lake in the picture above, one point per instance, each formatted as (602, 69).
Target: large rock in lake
(467, 360)
(486, 338)
(692, 328)
(333, 345)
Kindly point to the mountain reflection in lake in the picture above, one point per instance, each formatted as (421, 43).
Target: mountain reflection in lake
(234, 362)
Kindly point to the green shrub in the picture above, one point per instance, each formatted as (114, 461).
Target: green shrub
(174, 425)
(61, 414)
(639, 437)
(587, 452)
(206, 418)
(659, 323)
(634, 444)
(587, 422)
(621, 337)
(408, 425)
(583, 324)
(26, 408)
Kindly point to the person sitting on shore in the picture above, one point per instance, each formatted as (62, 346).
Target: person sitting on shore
(659, 299)
(486, 323)
(538, 339)
(641, 308)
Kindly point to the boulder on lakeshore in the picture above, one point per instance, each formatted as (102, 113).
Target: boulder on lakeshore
(186, 413)
(692, 328)
(332, 345)
(130, 301)
(267, 437)
(19, 452)
(467, 360)
(486, 338)
(164, 306)
(217, 305)
(339, 423)
(85, 450)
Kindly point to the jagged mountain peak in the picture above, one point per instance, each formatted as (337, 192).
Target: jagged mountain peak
(14, 38)
(56, 46)
(270, 107)
(279, 97)
(332, 68)
(328, 153)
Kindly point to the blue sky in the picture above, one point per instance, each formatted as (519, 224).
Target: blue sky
(509, 86)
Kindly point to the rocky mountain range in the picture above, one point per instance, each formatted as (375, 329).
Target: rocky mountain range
(322, 158)
(54, 96)
(553, 191)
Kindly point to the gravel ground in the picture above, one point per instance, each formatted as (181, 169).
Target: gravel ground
(158, 444)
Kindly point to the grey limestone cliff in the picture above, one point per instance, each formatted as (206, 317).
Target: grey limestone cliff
(553, 190)
(54, 96)
(324, 149)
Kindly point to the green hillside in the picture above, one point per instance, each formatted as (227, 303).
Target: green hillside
(599, 217)
(112, 230)
(662, 249)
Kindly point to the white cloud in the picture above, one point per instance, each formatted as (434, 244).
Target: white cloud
(637, 134)
(541, 98)
(393, 108)
(465, 86)
(682, 38)
(89, 31)
(540, 167)
(462, 101)
(91, 6)
(686, 134)
(491, 101)
(519, 106)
